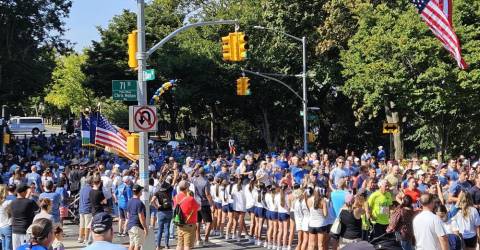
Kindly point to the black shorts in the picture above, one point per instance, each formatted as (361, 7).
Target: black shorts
(318, 230)
(205, 214)
(470, 243)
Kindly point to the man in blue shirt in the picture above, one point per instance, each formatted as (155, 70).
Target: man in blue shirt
(123, 193)
(103, 233)
(136, 222)
(55, 198)
(34, 177)
(338, 173)
(85, 211)
(461, 185)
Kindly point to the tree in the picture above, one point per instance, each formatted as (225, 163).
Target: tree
(66, 90)
(396, 68)
(30, 30)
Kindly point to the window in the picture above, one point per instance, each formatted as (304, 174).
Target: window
(31, 120)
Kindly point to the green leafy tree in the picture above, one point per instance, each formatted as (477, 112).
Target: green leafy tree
(66, 90)
(30, 31)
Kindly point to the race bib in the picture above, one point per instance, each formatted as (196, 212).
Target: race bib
(384, 210)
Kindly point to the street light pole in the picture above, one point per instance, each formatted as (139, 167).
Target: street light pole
(305, 100)
(303, 40)
(142, 100)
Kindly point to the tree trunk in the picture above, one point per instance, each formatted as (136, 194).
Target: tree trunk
(266, 130)
(394, 117)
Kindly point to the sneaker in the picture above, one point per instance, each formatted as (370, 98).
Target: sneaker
(238, 238)
(234, 237)
(227, 236)
(247, 237)
(265, 245)
(80, 240)
(289, 248)
(258, 242)
(199, 243)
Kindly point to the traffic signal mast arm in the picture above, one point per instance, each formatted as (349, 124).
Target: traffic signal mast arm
(276, 80)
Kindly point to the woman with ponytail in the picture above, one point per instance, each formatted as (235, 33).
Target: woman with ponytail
(317, 224)
(239, 209)
(250, 206)
(259, 197)
(283, 216)
(42, 235)
(272, 217)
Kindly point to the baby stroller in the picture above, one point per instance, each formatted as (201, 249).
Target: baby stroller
(386, 241)
(73, 209)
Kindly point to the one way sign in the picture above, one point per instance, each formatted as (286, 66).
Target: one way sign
(142, 118)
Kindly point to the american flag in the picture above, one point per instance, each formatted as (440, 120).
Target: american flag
(434, 16)
(108, 136)
(446, 7)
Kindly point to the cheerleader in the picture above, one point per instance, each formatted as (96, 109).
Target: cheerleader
(239, 209)
(227, 206)
(301, 215)
(250, 206)
(283, 216)
(217, 206)
(292, 198)
(272, 217)
(306, 216)
(259, 197)
(317, 224)
(224, 197)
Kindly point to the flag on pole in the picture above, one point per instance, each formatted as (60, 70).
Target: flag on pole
(434, 16)
(111, 138)
(85, 132)
(446, 7)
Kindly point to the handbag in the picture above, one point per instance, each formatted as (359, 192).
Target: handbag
(336, 226)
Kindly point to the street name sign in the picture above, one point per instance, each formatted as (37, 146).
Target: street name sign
(390, 128)
(149, 74)
(124, 90)
(142, 118)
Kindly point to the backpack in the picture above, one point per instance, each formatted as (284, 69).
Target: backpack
(164, 200)
(178, 218)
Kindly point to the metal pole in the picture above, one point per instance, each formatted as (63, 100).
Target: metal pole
(4, 146)
(142, 100)
(305, 101)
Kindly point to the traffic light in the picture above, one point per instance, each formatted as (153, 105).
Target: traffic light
(132, 49)
(227, 48)
(243, 86)
(242, 46)
(133, 144)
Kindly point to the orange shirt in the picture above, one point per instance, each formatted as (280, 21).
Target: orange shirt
(189, 207)
(414, 194)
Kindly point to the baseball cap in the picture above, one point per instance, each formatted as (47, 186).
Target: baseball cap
(22, 188)
(137, 188)
(101, 222)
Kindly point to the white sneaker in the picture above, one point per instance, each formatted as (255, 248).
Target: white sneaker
(234, 237)
(238, 238)
(258, 243)
(266, 245)
(289, 248)
(226, 236)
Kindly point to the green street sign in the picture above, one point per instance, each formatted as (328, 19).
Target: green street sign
(124, 90)
(149, 74)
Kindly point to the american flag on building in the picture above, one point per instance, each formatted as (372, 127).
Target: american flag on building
(437, 15)
(108, 136)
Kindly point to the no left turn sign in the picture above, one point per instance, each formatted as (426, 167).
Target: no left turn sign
(143, 118)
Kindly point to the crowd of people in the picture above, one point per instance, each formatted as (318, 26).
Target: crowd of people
(278, 200)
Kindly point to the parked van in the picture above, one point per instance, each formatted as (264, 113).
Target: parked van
(32, 125)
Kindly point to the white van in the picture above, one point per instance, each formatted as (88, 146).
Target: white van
(32, 125)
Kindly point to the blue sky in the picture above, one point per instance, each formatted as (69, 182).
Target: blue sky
(85, 15)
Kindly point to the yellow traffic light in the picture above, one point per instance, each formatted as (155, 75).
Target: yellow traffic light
(243, 86)
(133, 144)
(227, 48)
(242, 46)
(132, 49)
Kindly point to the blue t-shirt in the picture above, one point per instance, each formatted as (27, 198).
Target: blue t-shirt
(298, 174)
(27, 247)
(134, 208)
(56, 199)
(453, 174)
(338, 200)
(63, 195)
(84, 205)
(123, 194)
(104, 245)
(337, 174)
(459, 186)
(34, 178)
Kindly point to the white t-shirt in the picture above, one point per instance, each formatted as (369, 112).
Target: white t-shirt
(249, 202)
(238, 197)
(427, 227)
(4, 219)
(467, 226)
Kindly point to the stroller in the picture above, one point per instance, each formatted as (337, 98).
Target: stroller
(386, 241)
(73, 209)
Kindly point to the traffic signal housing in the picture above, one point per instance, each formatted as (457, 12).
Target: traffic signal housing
(132, 49)
(235, 47)
(227, 48)
(243, 86)
(242, 46)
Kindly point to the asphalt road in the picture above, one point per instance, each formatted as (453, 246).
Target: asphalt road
(71, 235)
